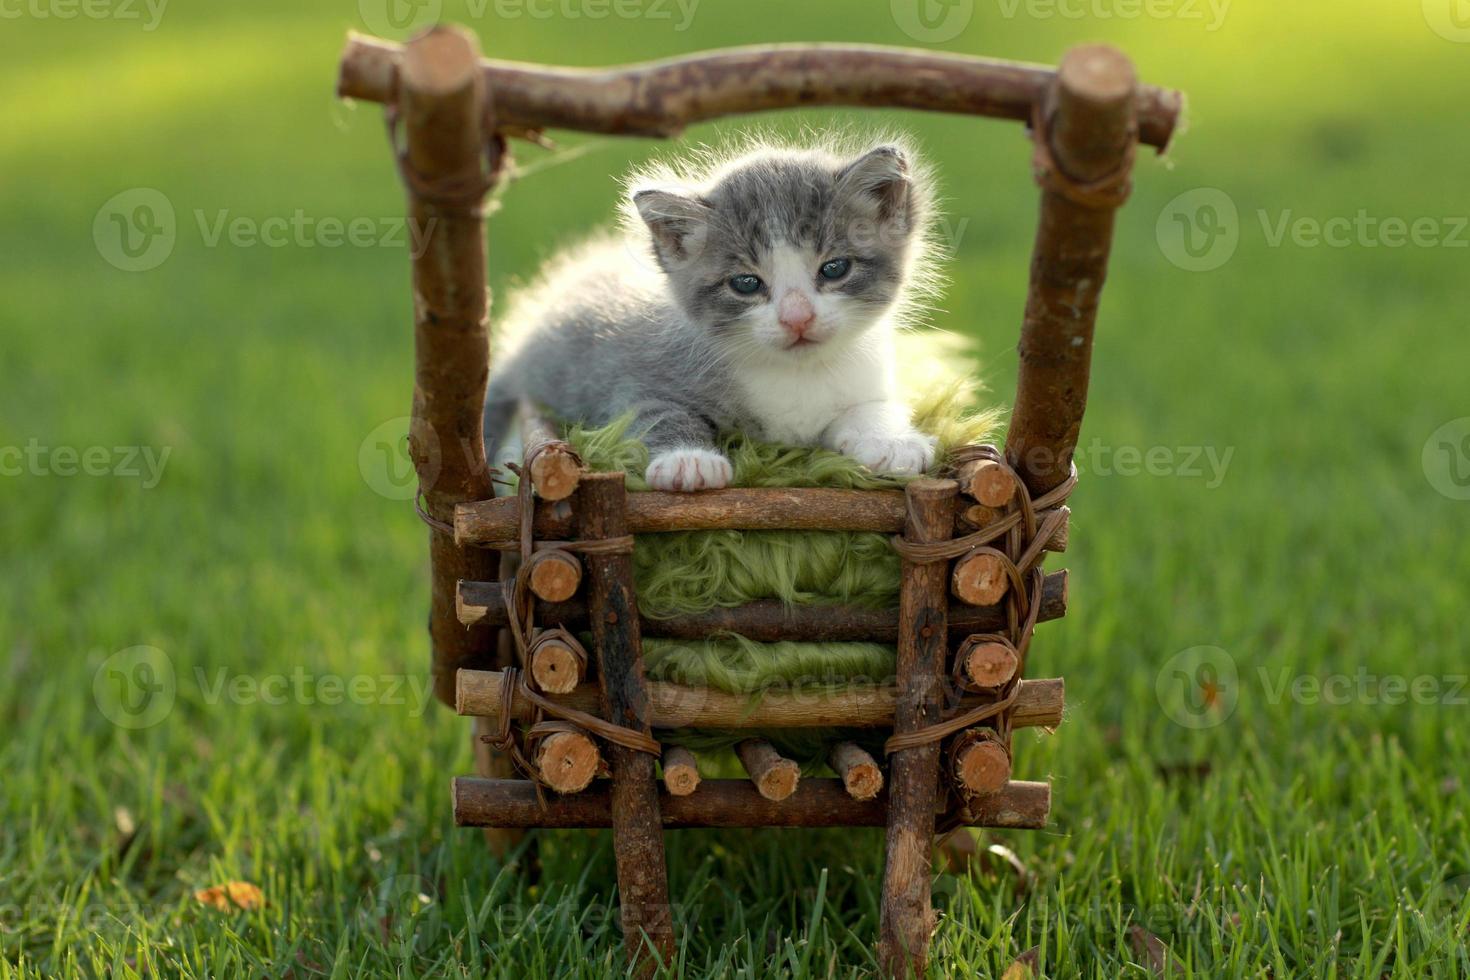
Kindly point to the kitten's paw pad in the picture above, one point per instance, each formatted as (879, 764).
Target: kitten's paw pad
(689, 469)
(906, 455)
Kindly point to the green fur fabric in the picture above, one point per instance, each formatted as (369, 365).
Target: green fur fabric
(694, 571)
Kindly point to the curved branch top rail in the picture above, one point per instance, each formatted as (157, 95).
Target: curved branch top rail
(661, 98)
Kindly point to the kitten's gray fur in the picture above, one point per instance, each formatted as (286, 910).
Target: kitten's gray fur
(648, 321)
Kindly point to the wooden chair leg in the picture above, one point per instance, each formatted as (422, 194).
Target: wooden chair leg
(907, 918)
(638, 842)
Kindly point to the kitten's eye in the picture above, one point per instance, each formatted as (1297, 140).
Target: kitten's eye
(745, 285)
(835, 268)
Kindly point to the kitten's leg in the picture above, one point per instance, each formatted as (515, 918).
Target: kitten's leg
(681, 449)
(878, 434)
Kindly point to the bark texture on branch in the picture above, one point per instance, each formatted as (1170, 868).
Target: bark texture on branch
(496, 523)
(638, 842)
(727, 803)
(907, 918)
(662, 98)
(1091, 106)
(1039, 703)
(767, 621)
(441, 98)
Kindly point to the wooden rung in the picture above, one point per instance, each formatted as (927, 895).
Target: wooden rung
(681, 770)
(726, 803)
(979, 762)
(987, 662)
(555, 575)
(980, 580)
(554, 467)
(860, 775)
(1039, 703)
(766, 621)
(775, 776)
(987, 481)
(567, 761)
(558, 662)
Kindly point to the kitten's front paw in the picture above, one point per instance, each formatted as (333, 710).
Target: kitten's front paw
(689, 469)
(906, 455)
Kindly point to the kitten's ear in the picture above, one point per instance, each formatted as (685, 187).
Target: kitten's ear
(679, 224)
(878, 183)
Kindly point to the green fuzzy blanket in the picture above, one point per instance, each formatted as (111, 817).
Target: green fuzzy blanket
(689, 572)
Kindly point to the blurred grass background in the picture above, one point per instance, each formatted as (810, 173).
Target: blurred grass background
(1286, 835)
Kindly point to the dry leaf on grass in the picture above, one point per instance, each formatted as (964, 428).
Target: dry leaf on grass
(230, 896)
(1024, 966)
(1151, 950)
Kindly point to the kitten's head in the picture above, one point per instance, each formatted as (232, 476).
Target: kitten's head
(793, 252)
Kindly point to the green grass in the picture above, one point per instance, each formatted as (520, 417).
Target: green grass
(1297, 836)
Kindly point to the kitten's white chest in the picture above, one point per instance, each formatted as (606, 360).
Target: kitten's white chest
(795, 405)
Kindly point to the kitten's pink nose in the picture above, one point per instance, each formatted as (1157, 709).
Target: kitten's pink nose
(796, 313)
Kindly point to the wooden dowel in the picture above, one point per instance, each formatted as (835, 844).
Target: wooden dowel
(774, 776)
(768, 621)
(727, 803)
(987, 662)
(1092, 107)
(661, 98)
(977, 516)
(567, 761)
(555, 575)
(979, 762)
(558, 662)
(986, 481)
(980, 580)
(441, 106)
(681, 770)
(495, 523)
(907, 918)
(860, 775)
(638, 843)
(1039, 703)
(553, 464)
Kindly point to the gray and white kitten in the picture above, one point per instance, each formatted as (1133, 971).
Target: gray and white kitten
(757, 294)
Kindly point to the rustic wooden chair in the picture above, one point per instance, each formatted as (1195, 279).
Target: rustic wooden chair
(951, 716)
